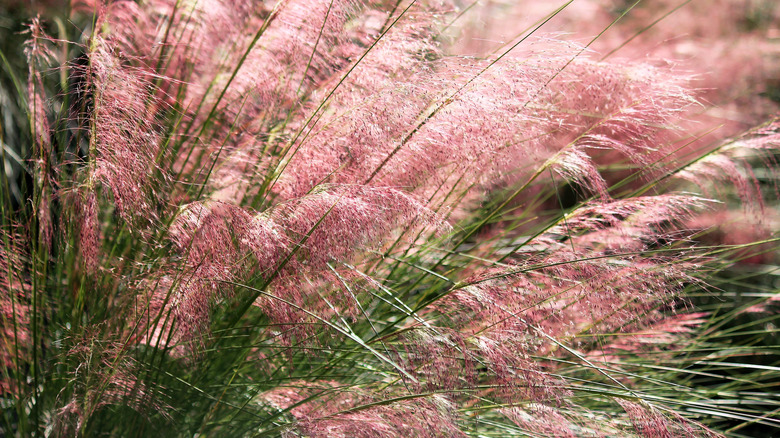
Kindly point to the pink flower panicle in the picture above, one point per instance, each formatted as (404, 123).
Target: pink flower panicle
(300, 47)
(89, 229)
(561, 295)
(207, 235)
(105, 375)
(547, 421)
(15, 311)
(547, 297)
(649, 422)
(656, 337)
(39, 54)
(392, 131)
(222, 242)
(729, 163)
(630, 225)
(348, 412)
(469, 357)
(126, 138)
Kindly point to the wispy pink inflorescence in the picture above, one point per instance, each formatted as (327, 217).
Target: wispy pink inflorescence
(343, 412)
(194, 29)
(302, 45)
(199, 35)
(296, 46)
(576, 166)
(331, 222)
(15, 336)
(397, 134)
(185, 42)
(105, 375)
(504, 318)
(89, 229)
(370, 110)
(39, 55)
(222, 242)
(274, 81)
(657, 337)
(649, 422)
(153, 317)
(728, 163)
(547, 421)
(207, 235)
(629, 225)
(305, 44)
(131, 28)
(467, 357)
(560, 295)
(733, 54)
(608, 112)
(125, 137)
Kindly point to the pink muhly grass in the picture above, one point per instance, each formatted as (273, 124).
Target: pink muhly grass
(501, 318)
(152, 313)
(125, 136)
(493, 361)
(322, 223)
(729, 163)
(542, 420)
(331, 222)
(351, 412)
(280, 66)
(569, 299)
(308, 42)
(630, 225)
(190, 43)
(38, 55)
(651, 423)
(655, 337)
(729, 54)
(388, 143)
(207, 235)
(219, 240)
(739, 229)
(15, 313)
(89, 230)
(104, 375)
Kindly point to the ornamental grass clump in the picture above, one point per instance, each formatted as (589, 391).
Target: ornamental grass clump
(314, 218)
